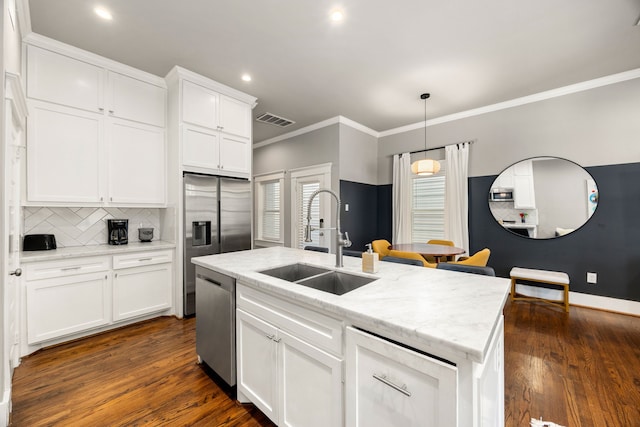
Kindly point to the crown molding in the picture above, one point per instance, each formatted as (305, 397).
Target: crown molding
(541, 96)
(332, 121)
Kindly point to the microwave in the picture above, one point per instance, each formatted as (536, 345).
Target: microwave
(501, 195)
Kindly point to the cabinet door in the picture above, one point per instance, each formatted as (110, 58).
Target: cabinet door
(389, 385)
(235, 155)
(64, 305)
(524, 196)
(136, 100)
(141, 290)
(136, 154)
(63, 80)
(235, 117)
(505, 179)
(199, 105)
(63, 154)
(200, 149)
(257, 367)
(311, 385)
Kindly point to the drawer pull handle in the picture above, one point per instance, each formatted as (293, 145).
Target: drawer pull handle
(70, 268)
(402, 389)
(145, 259)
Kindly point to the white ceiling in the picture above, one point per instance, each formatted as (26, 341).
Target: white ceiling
(370, 68)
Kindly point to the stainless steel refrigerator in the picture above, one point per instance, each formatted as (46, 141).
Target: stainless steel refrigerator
(217, 219)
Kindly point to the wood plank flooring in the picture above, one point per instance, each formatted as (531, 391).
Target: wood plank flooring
(578, 369)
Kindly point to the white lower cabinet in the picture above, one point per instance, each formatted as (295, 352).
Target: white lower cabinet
(72, 297)
(141, 284)
(292, 380)
(390, 385)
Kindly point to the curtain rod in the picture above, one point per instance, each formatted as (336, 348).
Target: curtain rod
(440, 148)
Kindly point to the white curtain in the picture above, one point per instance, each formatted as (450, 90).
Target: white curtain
(401, 198)
(456, 203)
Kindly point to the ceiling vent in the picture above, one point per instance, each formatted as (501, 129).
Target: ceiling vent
(272, 119)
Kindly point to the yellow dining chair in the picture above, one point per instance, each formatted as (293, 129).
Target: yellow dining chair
(381, 247)
(440, 242)
(478, 259)
(411, 255)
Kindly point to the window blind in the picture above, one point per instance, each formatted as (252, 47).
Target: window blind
(271, 211)
(427, 220)
(304, 193)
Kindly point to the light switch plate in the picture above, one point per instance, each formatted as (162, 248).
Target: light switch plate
(592, 277)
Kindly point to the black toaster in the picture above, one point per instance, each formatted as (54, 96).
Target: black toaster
(39, 242)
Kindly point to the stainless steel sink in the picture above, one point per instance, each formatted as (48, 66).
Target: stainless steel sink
(294, 272)
(335, 282)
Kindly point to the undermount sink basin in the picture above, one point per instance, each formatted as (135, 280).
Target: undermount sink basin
(294, 272)
(334, 282)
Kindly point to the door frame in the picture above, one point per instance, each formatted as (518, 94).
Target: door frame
(323, 172)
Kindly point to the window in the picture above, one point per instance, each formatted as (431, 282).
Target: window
(304, 193)
(269, 208)
(304, 182)
(427, 207)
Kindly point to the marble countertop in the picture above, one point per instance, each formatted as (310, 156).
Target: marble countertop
(519, 225)
(445, 313)
(96, 250)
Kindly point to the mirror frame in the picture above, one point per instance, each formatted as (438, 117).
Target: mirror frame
(592, 197)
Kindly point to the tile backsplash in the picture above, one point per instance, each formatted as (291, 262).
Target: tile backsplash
(86, 226)
(507, 212)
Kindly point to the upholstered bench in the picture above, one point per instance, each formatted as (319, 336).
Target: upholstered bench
(557, 278)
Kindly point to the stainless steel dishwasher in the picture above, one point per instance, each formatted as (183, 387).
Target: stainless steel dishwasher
(216, 322)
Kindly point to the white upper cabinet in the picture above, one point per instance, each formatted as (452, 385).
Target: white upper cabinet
(137, 164)
(199, 105)
(211, 123)
(235, 117)
(64, 80)
(64, 154)
(136, 100)
(96, 132)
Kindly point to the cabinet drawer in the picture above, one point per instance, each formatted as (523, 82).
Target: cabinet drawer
(322, 331)
(139, 259)
(69, 267)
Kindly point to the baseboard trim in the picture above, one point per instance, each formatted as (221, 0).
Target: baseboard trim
(5, 407)
(579, 299)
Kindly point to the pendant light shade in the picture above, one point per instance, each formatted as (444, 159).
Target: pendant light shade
(425, 167)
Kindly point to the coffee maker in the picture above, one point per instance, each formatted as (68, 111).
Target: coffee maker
(118, 231)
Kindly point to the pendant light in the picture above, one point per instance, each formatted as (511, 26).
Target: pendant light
(425, 167)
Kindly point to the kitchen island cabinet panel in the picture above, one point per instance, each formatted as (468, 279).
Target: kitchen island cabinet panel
(257, 362)
(389, 385)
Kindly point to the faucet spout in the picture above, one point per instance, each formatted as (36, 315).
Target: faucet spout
(340, 240)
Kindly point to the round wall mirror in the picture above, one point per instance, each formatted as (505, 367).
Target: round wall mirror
(543, 197)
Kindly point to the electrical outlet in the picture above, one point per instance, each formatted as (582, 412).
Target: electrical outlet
(592, 277)
(346, 207)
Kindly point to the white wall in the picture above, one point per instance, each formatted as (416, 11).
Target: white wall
(358, 156)
(595, 127)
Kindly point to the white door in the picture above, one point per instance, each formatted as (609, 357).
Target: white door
(13, 152)
(257, 366)
(311, 385)
(302, 186)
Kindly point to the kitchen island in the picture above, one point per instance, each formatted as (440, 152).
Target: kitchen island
(452, 320)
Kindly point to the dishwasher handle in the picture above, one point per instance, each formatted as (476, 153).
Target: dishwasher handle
(226, 286)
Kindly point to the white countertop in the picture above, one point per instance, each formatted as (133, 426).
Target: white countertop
(96, 250)
(518, 225)
(441, 312)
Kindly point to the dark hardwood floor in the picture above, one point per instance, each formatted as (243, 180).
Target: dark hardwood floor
(577, 369)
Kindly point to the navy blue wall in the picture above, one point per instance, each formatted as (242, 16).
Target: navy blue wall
(608, 244)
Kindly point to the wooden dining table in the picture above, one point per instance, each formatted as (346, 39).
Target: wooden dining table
(428, 249)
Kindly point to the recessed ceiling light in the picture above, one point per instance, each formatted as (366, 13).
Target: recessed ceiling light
(246, 78)
(337, 15)
(103, 13)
